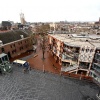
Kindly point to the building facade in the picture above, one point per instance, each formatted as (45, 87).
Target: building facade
(16, 48)
(75, 53)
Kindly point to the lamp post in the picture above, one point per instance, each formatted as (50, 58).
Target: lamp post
(43, 69)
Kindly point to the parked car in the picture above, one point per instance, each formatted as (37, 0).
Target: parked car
(5, 67)
(22, 63)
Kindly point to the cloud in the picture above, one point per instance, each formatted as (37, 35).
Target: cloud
(50, 10)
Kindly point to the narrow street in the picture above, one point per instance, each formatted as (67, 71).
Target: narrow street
(37, 62)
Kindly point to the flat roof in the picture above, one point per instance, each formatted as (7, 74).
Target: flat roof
(72, 40)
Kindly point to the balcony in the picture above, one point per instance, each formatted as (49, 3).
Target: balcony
(95, 75)
(84, 65)
(96, 67)
(97, 57)
(69, 68)
(66, 57)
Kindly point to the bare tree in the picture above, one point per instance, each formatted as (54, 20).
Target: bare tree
(43, 45)
(43, 30)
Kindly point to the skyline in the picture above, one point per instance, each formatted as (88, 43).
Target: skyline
(50, 10)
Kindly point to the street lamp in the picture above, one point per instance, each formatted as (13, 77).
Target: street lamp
(43, 69)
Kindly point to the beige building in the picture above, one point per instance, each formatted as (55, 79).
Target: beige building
(67, 50)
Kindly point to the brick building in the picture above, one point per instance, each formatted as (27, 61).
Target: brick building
(15, 43)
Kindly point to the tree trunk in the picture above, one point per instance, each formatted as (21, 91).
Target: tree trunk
(43, 54)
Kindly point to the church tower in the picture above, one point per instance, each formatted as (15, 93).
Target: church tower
(22, 19)
(99, 20)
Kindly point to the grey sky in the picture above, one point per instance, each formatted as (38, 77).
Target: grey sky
(50, 10)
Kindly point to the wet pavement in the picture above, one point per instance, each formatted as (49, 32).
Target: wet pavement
(36, 85)
(35, 60)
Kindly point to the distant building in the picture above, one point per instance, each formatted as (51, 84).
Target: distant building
(22, 19)
(97, 24)
(6, 25)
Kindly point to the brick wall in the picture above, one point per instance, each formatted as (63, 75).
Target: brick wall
(16, 48)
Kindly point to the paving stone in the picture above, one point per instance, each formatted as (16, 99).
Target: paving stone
(39, 86)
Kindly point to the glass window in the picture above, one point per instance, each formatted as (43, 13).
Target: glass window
(0, 61)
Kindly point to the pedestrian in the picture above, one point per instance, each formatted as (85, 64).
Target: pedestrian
(26, 67)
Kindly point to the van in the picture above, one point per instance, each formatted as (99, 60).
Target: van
(21, 63)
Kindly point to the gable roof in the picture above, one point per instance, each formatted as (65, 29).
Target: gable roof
(10, 36)
(6, 23)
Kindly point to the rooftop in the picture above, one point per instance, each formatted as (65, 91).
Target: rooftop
(37, 85)
(78, 40)
(10, 36)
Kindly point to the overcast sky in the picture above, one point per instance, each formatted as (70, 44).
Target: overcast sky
(50, 10)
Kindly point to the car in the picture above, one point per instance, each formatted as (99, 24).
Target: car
(22, 63)
(5, 67)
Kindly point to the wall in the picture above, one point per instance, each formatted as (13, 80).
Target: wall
(16, 48)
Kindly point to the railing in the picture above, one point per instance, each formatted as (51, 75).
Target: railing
(83, 67)
(70, 68)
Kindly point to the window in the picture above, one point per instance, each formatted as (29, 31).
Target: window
(2, 49)
(21, 48)
(14, 51)
(19, 43)
(14, 45)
